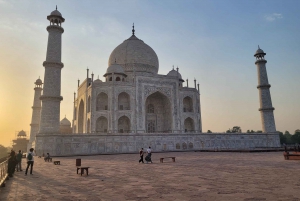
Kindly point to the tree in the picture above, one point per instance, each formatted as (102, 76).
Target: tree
(3, 151)
(209, 131)
(235, 129)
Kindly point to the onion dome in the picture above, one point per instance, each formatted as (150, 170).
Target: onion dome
(22, 134)
(56, 12)
(38, 82)
(97, 81)
(135, 55)
(56, 15)
(174, 73)
(65, 122)
(259, 52)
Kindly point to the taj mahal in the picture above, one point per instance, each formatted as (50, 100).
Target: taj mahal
(133, 107)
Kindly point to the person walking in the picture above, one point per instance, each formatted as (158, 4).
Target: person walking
(148, 157)
(19, 161)
(141, 155)
(30, 160)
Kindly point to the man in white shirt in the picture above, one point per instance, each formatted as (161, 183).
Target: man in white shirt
(148, 157)
(30, 160)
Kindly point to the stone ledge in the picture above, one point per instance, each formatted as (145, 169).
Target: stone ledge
(266, 109)
(45, 97)
(53, 64)
(55, 27)
(264, 86)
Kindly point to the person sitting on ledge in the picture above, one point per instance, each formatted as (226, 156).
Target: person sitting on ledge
(47, 157)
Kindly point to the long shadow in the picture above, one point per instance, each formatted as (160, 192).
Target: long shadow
(32, 187)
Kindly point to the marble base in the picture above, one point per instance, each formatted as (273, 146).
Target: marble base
(90, 144)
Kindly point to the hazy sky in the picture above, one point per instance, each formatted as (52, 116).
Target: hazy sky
(211, 40)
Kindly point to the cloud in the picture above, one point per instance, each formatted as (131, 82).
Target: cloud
(273, 17)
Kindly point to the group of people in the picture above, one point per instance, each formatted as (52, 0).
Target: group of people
(148, 157)
(15, 162)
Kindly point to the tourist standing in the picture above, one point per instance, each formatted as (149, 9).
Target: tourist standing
(12, 161)
(141, 155)
(19, 161)
(148, 157)
(30, 160)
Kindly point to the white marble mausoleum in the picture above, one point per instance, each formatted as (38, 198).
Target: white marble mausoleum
(133, 106)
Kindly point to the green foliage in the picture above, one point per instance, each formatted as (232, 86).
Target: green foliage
(288, 138)
(209, 131)
(235, 129)
(3, 151)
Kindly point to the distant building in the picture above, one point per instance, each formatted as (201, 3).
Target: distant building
(65, 126)
(20, 143)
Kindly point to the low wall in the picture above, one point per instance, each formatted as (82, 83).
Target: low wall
(90, 144)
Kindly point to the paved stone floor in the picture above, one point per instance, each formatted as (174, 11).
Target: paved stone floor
(194, 176)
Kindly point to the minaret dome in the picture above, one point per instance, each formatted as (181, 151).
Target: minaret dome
(55, 18)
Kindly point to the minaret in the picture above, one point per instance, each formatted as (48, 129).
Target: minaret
(266, 108)
(36, 111)
(50, 114)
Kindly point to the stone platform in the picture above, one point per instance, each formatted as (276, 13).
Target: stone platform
(194, 176)
(89, 144)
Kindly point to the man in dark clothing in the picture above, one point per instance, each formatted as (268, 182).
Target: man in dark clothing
(141, 155)
(12, 161)
(19, 161)
(30, 161)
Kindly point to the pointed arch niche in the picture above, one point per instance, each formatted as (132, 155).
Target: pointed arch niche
(102, 101)
(80, 117)
(158, 113)
(187, 104)
(124, 101)
(123, 124)
(101, 125)
(189, 125)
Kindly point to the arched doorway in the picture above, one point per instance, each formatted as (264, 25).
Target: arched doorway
(187, 104)
(80, 117)
(158, 113)
(189, 125)
(101, 125)
(124, 124)
(102, 102)
(124, 101)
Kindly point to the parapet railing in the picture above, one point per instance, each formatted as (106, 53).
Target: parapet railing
(3, 171)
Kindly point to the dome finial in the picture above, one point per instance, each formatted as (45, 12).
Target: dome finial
(173, 67)
(133, 29)
(56, 7)
(258, 47)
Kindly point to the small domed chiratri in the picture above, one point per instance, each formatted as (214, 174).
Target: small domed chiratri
(135, 55)
(259, 54)
(65, 126)
(55, 18)
(38, 83)
(115, 72)
(174, 73)
(22, 134)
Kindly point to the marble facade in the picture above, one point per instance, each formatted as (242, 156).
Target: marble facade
(88, 144)
(133, 107)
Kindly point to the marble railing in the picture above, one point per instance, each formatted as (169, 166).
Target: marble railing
(3, 172)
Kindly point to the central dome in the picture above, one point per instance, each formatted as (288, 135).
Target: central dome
(134, 54)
